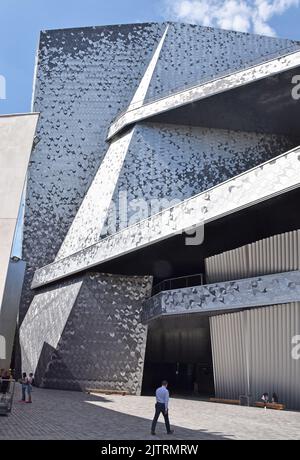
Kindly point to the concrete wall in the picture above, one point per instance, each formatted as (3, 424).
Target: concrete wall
(16, 138)
(10, 308)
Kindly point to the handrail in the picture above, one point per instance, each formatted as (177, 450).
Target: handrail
(163, 285)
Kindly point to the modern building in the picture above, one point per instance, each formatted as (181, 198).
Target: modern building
(161, 231)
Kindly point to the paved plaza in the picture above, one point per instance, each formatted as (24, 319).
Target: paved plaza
(73, 415)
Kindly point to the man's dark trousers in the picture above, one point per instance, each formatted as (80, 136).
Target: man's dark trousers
(160, 408)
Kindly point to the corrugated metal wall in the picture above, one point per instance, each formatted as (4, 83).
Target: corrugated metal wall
(256, 346)
(276, 254)
(228, 355)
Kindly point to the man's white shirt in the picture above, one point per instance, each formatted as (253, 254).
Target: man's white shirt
(162, 396)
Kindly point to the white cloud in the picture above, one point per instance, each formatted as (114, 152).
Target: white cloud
(240, 15)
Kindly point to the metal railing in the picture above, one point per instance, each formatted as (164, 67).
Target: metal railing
(178, 283)
(7, 388)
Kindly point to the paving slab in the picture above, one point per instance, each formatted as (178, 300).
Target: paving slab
(56, 414)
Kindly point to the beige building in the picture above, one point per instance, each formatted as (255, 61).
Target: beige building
(16, 140)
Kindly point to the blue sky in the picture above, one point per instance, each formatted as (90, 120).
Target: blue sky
(21, 21)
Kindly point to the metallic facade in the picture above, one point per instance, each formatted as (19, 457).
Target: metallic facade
(258, 353)
(224, 296)
(220, 84)
(87, 334)
(277, 176)
(279, 253)
(84, 77)
(99, 91)
(75, 153)
(258, 350)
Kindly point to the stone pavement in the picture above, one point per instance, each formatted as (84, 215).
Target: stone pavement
(58, 414)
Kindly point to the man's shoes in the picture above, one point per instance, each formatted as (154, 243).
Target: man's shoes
(153, 434)
(170, 432)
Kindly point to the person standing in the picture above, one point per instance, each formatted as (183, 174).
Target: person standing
(24, 383)
(162, 407)
(30, 381)
(5, 380)
(265, 399)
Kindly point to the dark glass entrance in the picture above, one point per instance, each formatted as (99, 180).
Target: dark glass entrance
(179, 350)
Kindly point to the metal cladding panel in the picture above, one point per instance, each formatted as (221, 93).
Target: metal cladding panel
(199, 92)
(87, 225)
(44, 324)
(166, 164)
(84, 77)
(225, 296)
(141, 92)
(86, 333)
(277, 254)
(197, 55)
(258, 346)
(260, 183)
(228, 355)
(228, 265)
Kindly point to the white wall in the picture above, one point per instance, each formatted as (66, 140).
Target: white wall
(16, 138)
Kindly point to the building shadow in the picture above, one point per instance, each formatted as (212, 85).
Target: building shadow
(132, 427)
(76, 415)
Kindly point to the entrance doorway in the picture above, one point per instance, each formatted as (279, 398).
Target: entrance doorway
(179, 350)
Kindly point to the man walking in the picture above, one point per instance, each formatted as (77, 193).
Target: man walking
(161, 406)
